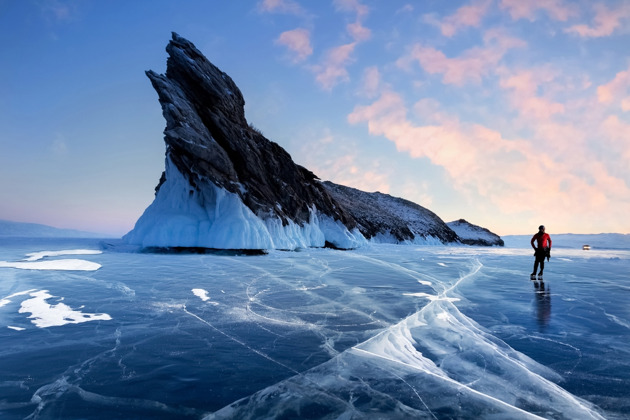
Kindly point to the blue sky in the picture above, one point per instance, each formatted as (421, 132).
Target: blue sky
(503, 112)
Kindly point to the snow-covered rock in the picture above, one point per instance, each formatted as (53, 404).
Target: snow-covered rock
(470, 234)
(383, 218)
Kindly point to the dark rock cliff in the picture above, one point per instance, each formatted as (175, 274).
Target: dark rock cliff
(208, 137)
(387, 217)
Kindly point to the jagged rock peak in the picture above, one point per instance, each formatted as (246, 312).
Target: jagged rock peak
(207, 136)
(211, 149)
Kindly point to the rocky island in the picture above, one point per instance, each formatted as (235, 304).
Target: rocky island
(226, 186)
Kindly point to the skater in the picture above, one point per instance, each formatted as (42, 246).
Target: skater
(542, 250)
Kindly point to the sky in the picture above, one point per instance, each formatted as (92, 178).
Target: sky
(507, 113)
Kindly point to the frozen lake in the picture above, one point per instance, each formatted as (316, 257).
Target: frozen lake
(385, 331)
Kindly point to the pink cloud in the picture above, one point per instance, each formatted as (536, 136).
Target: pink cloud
(605, 22)
(512, 175)
(527, 9)
(616, 90)
(281, 6)
(523, 87)
(618, 135)
(371, 82)
(470, 15)
(359, 32)
(471, 66)
(298, 42)
(463, 150)
(352, 6)
(338, 160)
(333, 69)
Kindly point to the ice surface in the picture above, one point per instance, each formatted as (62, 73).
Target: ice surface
(212, 217)
(383, 331)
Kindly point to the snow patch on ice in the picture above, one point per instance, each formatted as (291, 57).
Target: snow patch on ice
(203, 295)
(15, 328)
(66, 265)
(7, 299)
(36, 256)
(431, 297)
(45, 315)
(33, 261)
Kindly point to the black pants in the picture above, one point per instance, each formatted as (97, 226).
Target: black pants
(540, 254)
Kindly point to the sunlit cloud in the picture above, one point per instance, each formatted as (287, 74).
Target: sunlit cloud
(352, 6)
(465, 16)
(333, 69)
(618, 145)
(605, 21)
(515, 175)
(281, 6)
(471, 66)
(524, 86)
(298, 42)
(371, 82)
(560, 10)
(617, 89)
(337, 159)
(359, 32)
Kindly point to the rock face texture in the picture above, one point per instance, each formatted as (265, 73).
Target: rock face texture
(384, 218)
(226, 186)
(207, 137)
(470, 234)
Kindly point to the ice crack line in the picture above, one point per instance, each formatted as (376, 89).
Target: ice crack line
(297, 373)
(242, 343)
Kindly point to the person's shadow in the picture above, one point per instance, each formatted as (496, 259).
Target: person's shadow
(543, 304)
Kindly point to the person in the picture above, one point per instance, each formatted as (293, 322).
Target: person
(542, 250)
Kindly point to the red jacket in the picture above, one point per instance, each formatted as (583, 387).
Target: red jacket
(543, 241)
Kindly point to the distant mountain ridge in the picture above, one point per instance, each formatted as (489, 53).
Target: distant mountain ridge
(35, 230)
(574, 240)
